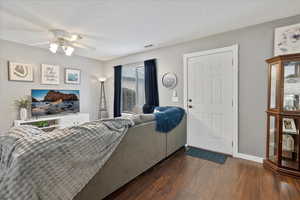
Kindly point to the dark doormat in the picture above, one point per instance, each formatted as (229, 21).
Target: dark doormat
(206, 155)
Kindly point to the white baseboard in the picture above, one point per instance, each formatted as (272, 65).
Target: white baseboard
(249, 157)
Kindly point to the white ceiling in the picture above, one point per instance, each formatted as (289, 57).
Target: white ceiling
(121, 27)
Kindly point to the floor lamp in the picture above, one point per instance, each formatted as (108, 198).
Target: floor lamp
(102, 106)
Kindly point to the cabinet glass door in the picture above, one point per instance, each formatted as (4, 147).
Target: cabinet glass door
(272, 139)
(291, 86)
(273, 85)
(290, 143)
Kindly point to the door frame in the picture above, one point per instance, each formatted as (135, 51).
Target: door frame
(234, 49)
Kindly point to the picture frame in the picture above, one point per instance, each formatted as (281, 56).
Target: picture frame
(287, 40)
(20, 72)
(50, 74)
(289, 126)
(72, 76)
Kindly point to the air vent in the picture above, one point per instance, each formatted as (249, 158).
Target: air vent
(148, 45)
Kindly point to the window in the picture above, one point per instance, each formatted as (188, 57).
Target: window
(133, 89)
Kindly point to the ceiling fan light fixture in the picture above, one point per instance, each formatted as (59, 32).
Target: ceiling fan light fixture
(68, 50)
(53, 47)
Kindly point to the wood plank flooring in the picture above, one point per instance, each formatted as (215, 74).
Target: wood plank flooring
(182, 177)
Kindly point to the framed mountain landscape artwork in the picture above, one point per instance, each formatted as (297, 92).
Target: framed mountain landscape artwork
(72, 76)
(287, 40)
(20, 72)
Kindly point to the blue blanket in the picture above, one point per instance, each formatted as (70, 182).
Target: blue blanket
(167, 118)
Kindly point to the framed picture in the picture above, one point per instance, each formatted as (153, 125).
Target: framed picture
(287, 40)
(72, 76)
(289, 126)
(50, 74)
(20, 72)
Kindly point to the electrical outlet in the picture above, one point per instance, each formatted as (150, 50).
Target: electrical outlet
(175, 99)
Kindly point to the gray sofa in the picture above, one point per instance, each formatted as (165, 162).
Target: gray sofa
(141, 149)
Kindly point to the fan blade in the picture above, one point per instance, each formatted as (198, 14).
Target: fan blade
(40, 43)
(74, 37)
(59, 33)
(97, 37)
(70, 37)
(83, 46)
(91, 37)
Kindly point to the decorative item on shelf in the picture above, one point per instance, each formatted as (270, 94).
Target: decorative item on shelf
(291, 102)
(50, 74)
(20, 72)
(289, 126)
(103, 113)
(41, 124)
(169, 80)
(72, 76)
(287, 143)
(23, 105)
(287, 40)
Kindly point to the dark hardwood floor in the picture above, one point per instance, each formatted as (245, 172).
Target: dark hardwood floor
(182, 177)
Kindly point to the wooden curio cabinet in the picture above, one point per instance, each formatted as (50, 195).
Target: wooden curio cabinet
(283, 123)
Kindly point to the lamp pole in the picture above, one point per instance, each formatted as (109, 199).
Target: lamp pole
(102, 106)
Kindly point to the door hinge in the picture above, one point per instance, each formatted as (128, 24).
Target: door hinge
(232, 62)
(232, 103)
(232, 143)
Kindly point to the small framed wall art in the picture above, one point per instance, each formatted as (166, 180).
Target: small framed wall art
(287, 40)
(20, 72)
(50, 74)
(72, 76)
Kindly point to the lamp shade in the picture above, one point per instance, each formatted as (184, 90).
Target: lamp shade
(102, 79)
(69, 51)
(53, 47)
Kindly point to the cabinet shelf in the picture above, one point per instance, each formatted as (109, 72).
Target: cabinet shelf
(290, 163)
(293, 134)
(286, 163)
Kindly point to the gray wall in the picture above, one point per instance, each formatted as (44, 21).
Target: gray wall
(11, 90)
(256, 44)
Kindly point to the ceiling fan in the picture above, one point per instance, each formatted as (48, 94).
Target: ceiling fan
(64, 40)
(60, 40)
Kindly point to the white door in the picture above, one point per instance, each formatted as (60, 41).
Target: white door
(210, 100)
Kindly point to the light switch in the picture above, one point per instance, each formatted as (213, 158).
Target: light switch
(174, 96)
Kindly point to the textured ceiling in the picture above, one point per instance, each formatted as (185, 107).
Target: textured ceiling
(121, 27)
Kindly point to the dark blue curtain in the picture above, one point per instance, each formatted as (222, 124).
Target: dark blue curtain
(151, 87)
(117, 93)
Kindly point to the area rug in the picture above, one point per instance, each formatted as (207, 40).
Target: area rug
(206, 155)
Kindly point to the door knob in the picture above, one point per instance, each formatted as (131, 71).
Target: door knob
(190, 100)
(190, 106)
